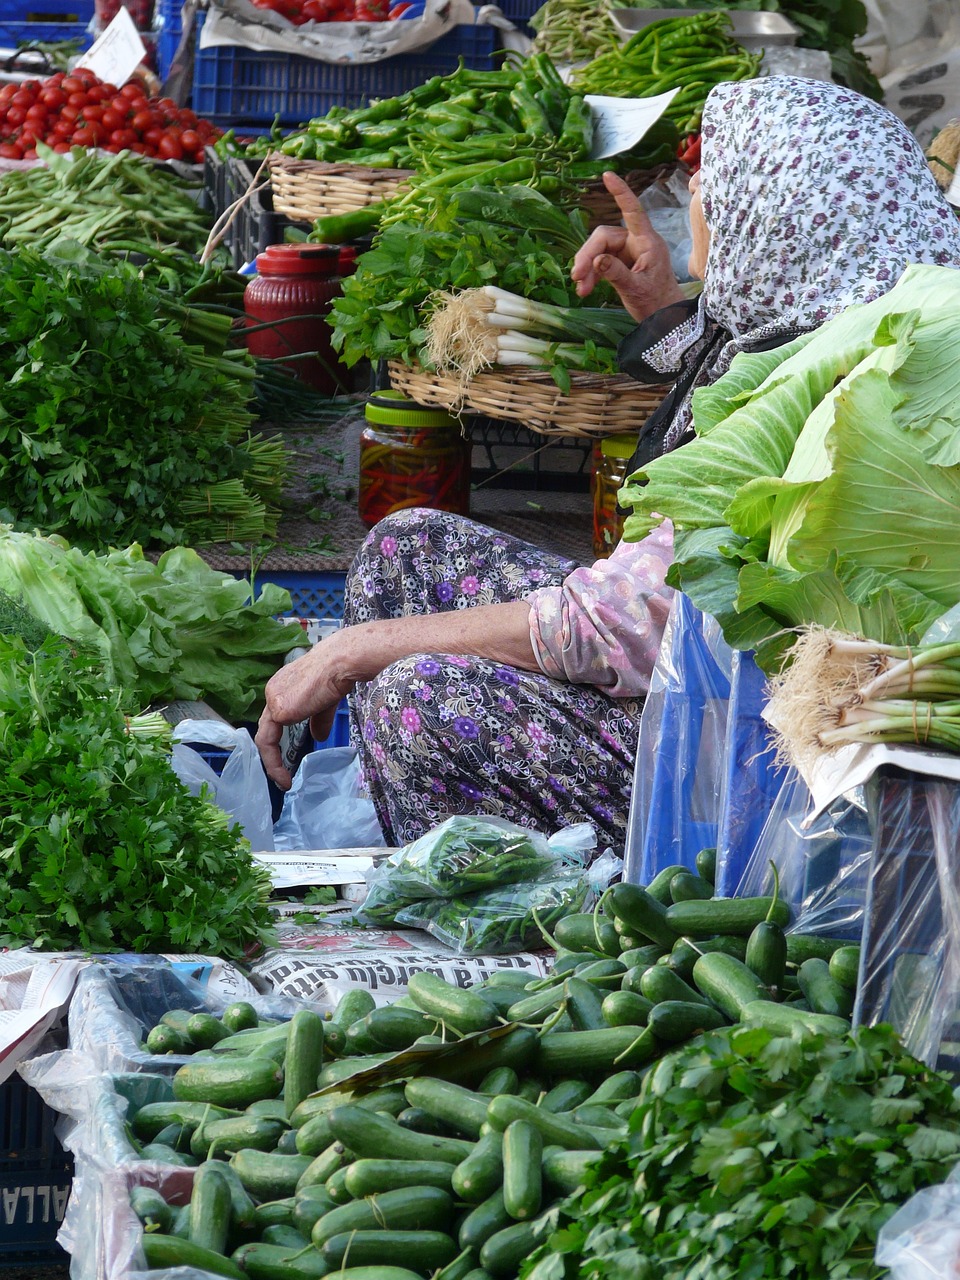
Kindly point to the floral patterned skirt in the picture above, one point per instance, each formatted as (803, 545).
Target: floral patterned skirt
(441, 734)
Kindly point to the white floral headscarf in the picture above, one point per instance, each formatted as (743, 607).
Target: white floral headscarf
(816, 198)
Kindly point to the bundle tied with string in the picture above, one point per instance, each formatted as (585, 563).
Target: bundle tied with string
(840, 689)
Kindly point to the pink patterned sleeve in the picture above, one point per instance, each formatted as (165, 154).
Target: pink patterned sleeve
(603, 624)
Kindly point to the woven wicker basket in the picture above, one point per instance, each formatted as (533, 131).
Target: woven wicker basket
(597, 405)
(309, 189)
(599, 205)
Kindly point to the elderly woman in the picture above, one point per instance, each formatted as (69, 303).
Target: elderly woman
(487, 676)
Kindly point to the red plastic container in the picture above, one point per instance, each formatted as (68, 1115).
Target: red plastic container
(292, 292)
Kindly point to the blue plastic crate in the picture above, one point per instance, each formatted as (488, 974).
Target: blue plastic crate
(312, 595)
(59, 11)
(35, 1177)
(237, 87)
(13, 34)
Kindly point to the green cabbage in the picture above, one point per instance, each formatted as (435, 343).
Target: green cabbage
(824, 482)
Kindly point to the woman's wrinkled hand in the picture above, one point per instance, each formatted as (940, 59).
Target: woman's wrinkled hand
(308, 689)
(633, 258)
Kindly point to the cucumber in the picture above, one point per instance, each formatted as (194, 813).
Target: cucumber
(464, 1011)
(263, 1261)
(565, 1095)
(336, 1187)
(180, 1226)
(352, 1006)
(148, 1120)
(805, 946)
(678, 1020)
(240, 1016)
(822, 991)
(484, 1221)
(787, 1019)
(660, 983)
(268, 1176)
(388, 1028)
(377, 1273)
(218, 1139)
(322, 1167)
(607, 972)
(687, 887)
(304, 1057)
(503, 1253)
(499, 1080)
(499, 998)
(706, 864)
(581, 931)
(422, 1251)
(151, 1208)
(685, 953)
(387, 1098)
(308, 1205)
(633, 979)
(522, 1177)
(204, 1030)
(367, 1133)
(162, 1039)
(506, 978)
(455, 1106)
(166, 1155)
(726, 982)
(243, 1211)
(598, 1115)
(643, 913)
(766, 953)
(659, 886)
(405, 1209)
(844, 966)
(643, 956)
(420, 1120)
(564, 1171)
(271, 1211)
(625, 1009)
(565, 962)
(174, 1135)
(370, 1176)
(557, 1130)
(176, 1018)
(536, 1006)
(589, 1053)
(231, 1082)
(617, 1087)
(481, 1173)
(584, 1004)
(517, 1049)
(458, 1269)
(269, 1108)
(725, 915)
(251, 1039)
(287, 1142)
(339, 1072)
(164, 1251)
(282, 1234)
(531, 1090)
(334, 1039)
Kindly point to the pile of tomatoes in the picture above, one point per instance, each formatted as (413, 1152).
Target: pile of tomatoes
(302, 11)
(76, 109)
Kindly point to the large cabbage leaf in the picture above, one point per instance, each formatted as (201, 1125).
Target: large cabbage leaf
(830, 491)
(172, 630)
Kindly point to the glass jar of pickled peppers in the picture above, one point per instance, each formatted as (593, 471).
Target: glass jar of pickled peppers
(610, 471)
(411, 456)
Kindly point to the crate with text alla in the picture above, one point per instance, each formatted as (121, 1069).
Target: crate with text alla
(35, 1177)
(242, 88)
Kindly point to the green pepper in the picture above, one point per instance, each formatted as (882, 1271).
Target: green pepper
(555, 105)
(576, 134)
(541, 70)
(340, 228)
(377, 112)
(529, 111)
(382, 135)
(451, 130)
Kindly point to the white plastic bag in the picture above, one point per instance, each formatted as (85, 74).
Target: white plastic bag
(324, 808)
(241, 789)
(922, 1239)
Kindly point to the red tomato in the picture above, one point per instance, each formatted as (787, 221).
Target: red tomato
(27, 138)
(153, 135)
(143, 120)
(78, 100)
(84, 136)
(53, 98)
(121, 105)
(23, 98)
(30, 154)
(61, 147)
(15, 117)
(190, 140)
(37, 112)
(169, 148)
(111, 89)
(10, 151)
(111, 119)
(63, 128)
(68, 112)
(140, 148)
(97, 93)
(71, 84)
(7, 92)
(93, 113)
(123, 138)
(132, 91)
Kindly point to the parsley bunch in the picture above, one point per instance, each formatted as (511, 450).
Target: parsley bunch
(754, 1156)
(124, 419)
(102, 847)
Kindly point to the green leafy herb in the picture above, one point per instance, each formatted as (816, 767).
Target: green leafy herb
(102, 847)
(755, 1156)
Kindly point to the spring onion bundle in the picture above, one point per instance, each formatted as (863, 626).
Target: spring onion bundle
(841, 689)
(476, 328)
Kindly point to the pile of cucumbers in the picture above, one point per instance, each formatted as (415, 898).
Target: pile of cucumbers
(430, 1137)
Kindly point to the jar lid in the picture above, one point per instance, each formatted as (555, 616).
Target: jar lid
(622, 446)
(298, 260)
(394, 409)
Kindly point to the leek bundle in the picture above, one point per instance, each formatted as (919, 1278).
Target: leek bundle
(474, 329)
(840, 689)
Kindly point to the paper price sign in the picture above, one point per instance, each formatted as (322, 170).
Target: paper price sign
(620, 123)
(117, 52)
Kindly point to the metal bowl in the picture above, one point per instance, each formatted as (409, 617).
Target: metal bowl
(751, 29)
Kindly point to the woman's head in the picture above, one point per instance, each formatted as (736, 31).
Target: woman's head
(815, 198)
